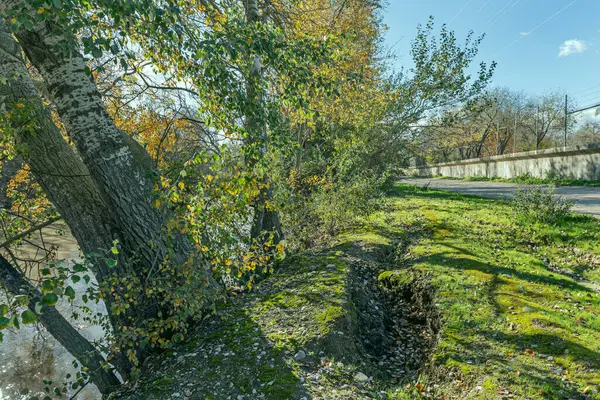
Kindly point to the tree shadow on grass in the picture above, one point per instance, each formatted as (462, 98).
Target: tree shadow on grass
(464, 263)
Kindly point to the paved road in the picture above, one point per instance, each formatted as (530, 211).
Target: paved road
(587, 199)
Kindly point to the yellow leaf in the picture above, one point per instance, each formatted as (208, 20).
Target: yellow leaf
(40, 10)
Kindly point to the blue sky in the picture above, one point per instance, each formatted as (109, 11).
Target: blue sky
(539, 45)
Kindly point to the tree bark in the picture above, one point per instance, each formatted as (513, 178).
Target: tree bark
(89, 357)
(266, 220)
(59, 171)
(113, 174)
(9, 170)
(121, 169)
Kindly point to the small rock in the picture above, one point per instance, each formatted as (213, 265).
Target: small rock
(360, 377)
(527, 309)
(301, 355)
(550, 358)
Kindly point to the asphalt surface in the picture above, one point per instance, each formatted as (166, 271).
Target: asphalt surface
(586, 199)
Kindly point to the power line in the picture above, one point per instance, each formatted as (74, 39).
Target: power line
(586, 89)
(505, 12)
(500, 11)
(483, 6)
(587, 98)
(460, 12)
(537, 27)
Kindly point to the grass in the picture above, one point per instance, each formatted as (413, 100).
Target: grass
(530, 180)
(511, 325)
(514, 322)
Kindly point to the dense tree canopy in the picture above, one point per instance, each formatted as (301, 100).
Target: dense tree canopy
(182, 141)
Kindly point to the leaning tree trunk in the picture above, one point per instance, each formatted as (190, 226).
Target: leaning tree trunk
(120, 168)
(115, 171)
(59, 171)
(10, 168)
(266, 218)
(79, 347)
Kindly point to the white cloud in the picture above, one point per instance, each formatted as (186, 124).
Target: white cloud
(572, 46)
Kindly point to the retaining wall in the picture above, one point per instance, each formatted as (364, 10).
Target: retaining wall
(573, 162)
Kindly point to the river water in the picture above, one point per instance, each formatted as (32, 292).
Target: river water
(29, 355)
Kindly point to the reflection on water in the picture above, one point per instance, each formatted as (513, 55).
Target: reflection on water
(30, 354)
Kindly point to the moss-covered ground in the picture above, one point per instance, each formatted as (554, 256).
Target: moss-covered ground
(504, 309)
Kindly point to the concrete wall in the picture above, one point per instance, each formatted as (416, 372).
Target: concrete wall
(573, 162)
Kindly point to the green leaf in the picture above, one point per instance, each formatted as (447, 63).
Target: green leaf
(47, 286)
(45, 271)
(15, 322)
(3, 309)
(111, 262)
(70, 292)
(96, 52)
(28, 317)
(75, 278)
(50, 299)
(57, 3)
(79, 268)
(4, 322)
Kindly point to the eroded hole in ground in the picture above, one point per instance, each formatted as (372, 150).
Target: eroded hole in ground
(397, 321)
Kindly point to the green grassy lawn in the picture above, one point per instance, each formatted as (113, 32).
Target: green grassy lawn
(512, 328)
(496, 300)
(529, 180)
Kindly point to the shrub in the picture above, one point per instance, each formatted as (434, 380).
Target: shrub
(539, 203)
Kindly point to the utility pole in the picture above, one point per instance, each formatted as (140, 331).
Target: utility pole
(497, 137)
(515, 135)
(537, 144)
(566, 117)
